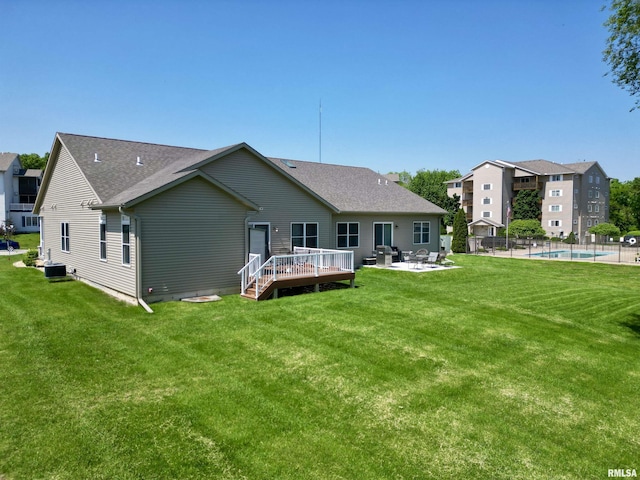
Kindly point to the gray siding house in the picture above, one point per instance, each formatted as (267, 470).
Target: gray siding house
(156, 222)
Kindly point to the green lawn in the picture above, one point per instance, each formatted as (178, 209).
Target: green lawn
(505, 368)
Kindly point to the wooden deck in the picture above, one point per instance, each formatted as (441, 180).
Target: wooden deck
(270, 288)
(305, 267)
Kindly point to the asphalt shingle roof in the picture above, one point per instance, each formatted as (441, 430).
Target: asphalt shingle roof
(5, 160)
(117, 179)
(356, 189)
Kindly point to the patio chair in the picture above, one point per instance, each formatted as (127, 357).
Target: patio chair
(431, 259)
(443, 260)
(420, 256)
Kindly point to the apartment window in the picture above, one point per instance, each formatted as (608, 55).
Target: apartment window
(421, 232)
(597, 194)
(486, 201)
(589, 208)
(457, 184)
(30, 221)
(348, 235)
(596, 208)
(486, 214)
(595, 222)
(555, 223)
(64, 235)
(555, 208)
(103, 237)
(590, 194)
(555, 178)
(590, 178)
(304, 235)
(597, 179)
(588, 222)
(575, 206)
(556, 193)
(486, 186)
(126, 239)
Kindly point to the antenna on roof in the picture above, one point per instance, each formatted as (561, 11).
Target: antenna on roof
(139, 162)
(320, 132)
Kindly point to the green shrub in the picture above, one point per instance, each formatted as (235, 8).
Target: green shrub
(30, 258)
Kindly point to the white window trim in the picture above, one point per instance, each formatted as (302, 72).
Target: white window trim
(348, 235)
(304, 233)
(65, 239)
(555, 208)
(486, 214)
(557, 192)
(102, 242)
(125, 220)
(490, 202)
(428, 233)
(485, 185)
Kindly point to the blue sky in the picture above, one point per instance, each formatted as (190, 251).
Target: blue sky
(404, 85)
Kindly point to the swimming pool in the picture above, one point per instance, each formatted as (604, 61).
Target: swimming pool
(570, 254)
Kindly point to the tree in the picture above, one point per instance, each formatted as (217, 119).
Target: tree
(431, 185)
(620, 211)
(526, 228)
(605, 230)
(460, 233)
(622, 51)
(33, 160)
(526, 205)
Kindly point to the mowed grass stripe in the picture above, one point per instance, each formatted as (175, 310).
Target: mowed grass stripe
(494, 370)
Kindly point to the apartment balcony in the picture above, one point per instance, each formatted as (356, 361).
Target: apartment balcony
(527, 185)
(21, 207)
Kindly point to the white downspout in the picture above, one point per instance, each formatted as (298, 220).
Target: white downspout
(138, 287)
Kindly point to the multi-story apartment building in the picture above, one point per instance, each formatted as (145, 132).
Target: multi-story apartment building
(573, 197)
(18, 190)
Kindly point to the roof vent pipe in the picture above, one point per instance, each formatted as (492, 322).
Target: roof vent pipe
(96, 159)
(139, 162)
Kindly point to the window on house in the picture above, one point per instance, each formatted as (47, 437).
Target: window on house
(589, 208)
(597, 194)
(64, 235)
(486, 186)
(421, 232)
(555, 178)
(126, 240)
(348, 235)
(597, 179)
(555, 208)
(457, 185)
(486, 201)
(590, 194)
(590, 178)
(103, 237)
(555, 223)
(595, 222)
(304, 235)
(596, 208)
(588, 222)
(575, 222)
(556, 193)
(486, 214)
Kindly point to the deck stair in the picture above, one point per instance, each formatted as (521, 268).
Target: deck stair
(306, 266)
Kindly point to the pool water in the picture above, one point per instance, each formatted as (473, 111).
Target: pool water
(570, 254)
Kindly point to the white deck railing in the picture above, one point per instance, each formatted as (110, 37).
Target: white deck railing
(304, 262)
